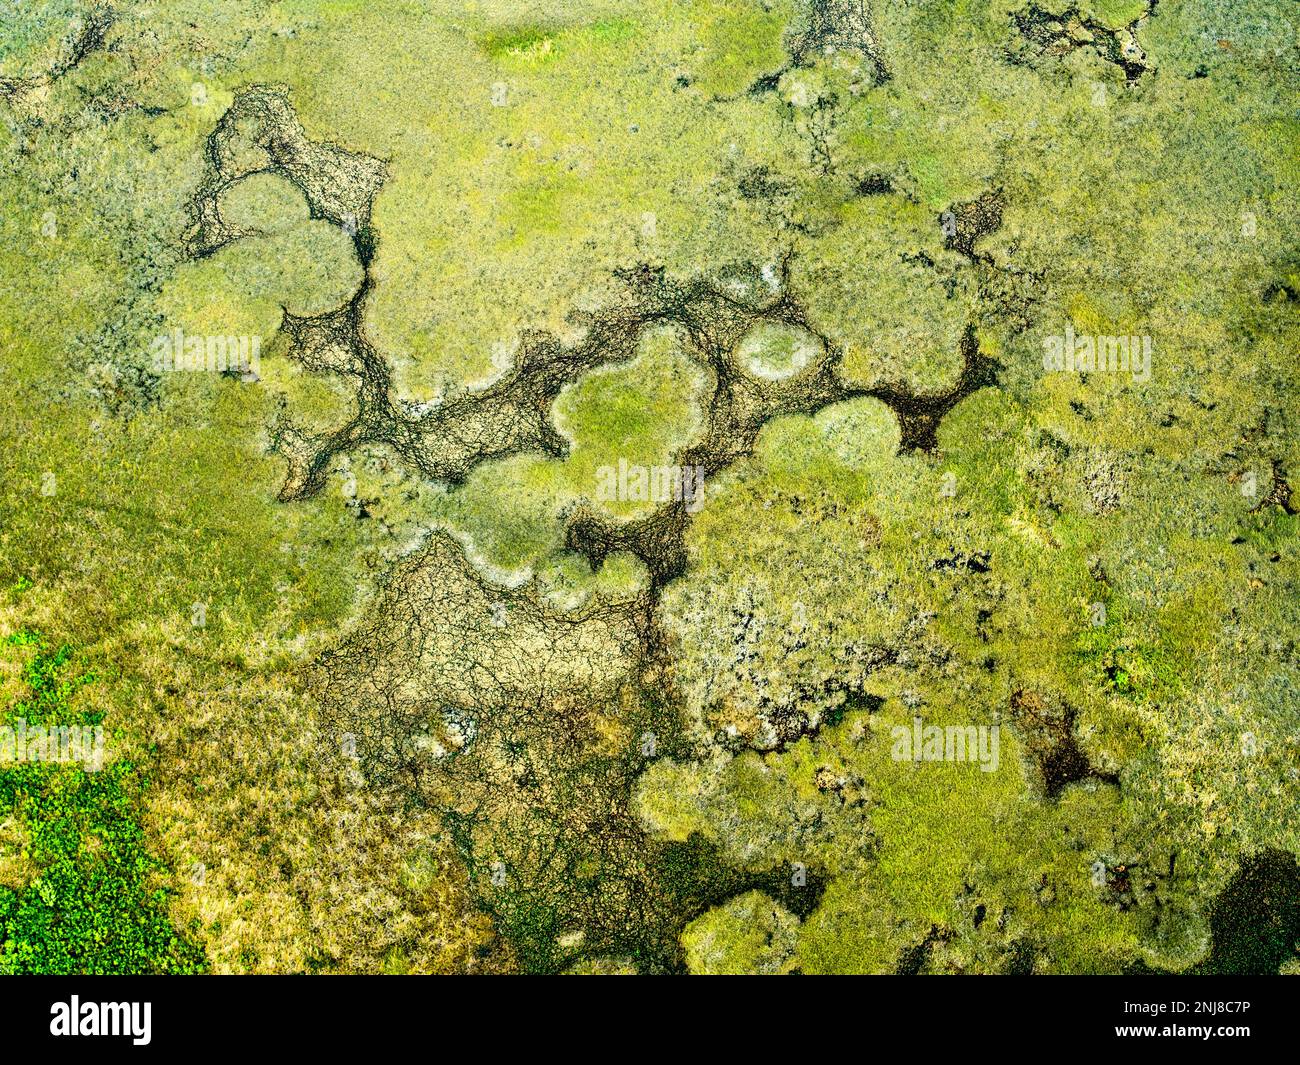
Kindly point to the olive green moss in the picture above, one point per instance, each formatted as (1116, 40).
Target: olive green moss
(1103, 567)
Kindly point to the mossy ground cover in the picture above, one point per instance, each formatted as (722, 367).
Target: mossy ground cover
(406, 723)
(97, 902)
